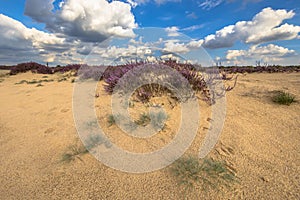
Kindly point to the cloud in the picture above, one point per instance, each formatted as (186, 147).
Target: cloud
(194, 27)
(89, 21)
(39, 10)
(269, 53)
(266, 26)
(209, 4)
(175, 46)
(130, 52)
(172, 56)
(195, 44)
(17, 40)
(21, 44)
(135, 3)
(159, 2)
(132, 3)
(172, 31)
(192, 15)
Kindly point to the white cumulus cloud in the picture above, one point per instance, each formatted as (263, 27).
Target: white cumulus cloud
(17, 40)
(87, 20)
(266, 53)
(266, 26)
(172, 31)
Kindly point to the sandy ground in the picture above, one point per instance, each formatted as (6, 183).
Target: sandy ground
(260, 141)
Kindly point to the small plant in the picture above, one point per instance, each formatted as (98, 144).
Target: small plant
(33, 82)
(131, 104)
(111, 120)
(93, 141)
(131, 126)
(3, 74)
(158, 119)
(283, 98)
(92, 124)
(47, 80)
(73, 152)
(209, 173)
(143, 120)
(62, 79)
(39, 85)
(21, 82)
(44, 76)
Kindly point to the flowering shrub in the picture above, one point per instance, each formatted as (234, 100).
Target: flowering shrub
(67, 68)
(260, 69)
(91, 72)
(30, 66)
(157, 77)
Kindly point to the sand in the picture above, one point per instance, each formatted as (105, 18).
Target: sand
(260, 142)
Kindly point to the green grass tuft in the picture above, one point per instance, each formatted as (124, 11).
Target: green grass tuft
(93, 141)
(143, 120)
(21, 82)
(208, 173)
(158, 119)
(283, 98)
(73, 152)
(111, 120)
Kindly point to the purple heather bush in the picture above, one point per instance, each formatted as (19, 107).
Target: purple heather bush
(132, 76)
(67, 68)
(259, 69)
(91, 72)
(30, 66)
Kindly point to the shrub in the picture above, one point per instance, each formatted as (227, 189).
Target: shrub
(158, 119)
(70, 67)
(143, 120)
(283, 98)
(21, 82)
(189, 172)
(111, 120)
(62, 79)
(73, 152)
(41, 69)
(93, 141)
(154, 73)
(91, 72)
(33, 82)
(30, 66)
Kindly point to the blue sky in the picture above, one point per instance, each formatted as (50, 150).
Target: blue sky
(233, 32)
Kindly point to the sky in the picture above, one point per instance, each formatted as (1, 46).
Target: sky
(230, 32)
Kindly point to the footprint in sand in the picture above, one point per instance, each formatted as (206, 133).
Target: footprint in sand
(224, 150)
(49, 130)
(64, 110)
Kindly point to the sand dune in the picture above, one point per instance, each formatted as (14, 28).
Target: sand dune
(260, 141)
